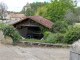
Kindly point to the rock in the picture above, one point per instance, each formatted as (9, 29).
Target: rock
(42, 38)
(1, 36)
(75, 51)
(23, 38)
(8, 40)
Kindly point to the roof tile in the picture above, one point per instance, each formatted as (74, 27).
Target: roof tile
(39, 20)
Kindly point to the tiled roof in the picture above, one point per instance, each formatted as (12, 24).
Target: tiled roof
(11, 14)
(39, 20)
(18, 16)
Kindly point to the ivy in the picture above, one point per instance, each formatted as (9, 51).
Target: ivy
(42, 28)
(11, 32)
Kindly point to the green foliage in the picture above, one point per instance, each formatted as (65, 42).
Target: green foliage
(36, 5)
(10, 31)
(57, 8)
(77, 26)
(58, 38)
(59, 27)
(33, 40)
(71, 36)
(1, 19)
(1, 26)
(23, 10)
(16, 37)
(70, 17)
(13, 12)
(49, 39)
(46, 34)
(29, 12)
(43, 29)
(77, 11)
(42, 11)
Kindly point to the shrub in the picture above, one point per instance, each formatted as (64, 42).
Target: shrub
(71, 36)
(1, 19)
(59, 27)
(49, 38)
(58, 38)
(10, 31)
(16, 37)
(2, 26)
(46, 34)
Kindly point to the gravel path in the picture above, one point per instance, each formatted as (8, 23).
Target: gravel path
(9, 52)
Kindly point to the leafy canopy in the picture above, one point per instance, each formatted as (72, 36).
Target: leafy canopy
(42, 11)
(57, 8)
(29, 12)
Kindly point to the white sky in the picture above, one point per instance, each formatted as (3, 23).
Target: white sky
(17, 5)
(78, 4)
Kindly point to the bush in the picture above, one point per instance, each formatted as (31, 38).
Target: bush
(10, 31)
(59, 27)
(49, 39)
(58, 38)
(16, 37)
(1, 19)
(46, 34)
(71, 36)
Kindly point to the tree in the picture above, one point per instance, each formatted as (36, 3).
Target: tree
(35, 6)
(60, 27)
(69, 16)
(77, 13)
(3, 8)
(23, 10)
(42, 11)
(72, 17)
(29, 12)
(57, 8)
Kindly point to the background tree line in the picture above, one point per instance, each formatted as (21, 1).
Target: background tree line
(54, 11)
(34, 7)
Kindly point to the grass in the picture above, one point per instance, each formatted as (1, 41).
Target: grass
(34, 40)
(40, 41)
(63, 44)
(49, 39)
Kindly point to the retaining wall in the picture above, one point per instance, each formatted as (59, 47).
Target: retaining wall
(26, 43)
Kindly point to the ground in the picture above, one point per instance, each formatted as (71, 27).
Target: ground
(9, 52)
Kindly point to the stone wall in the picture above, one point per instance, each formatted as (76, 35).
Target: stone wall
(75, 51)
(37, 44)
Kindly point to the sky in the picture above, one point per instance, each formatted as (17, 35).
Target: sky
(17, 5)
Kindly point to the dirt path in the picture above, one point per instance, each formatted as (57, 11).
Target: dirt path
(9, 52)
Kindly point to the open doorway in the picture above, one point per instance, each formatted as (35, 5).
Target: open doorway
(29, 32)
